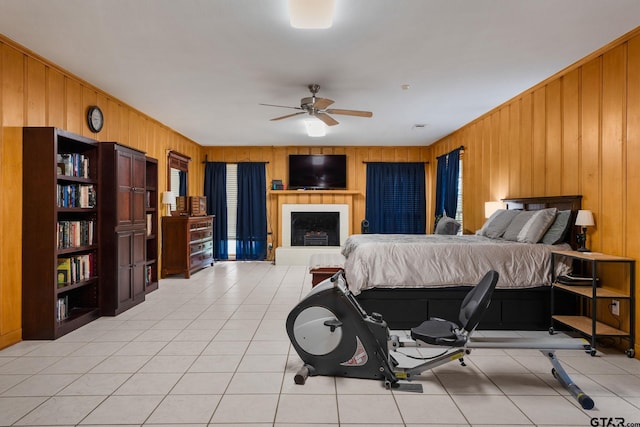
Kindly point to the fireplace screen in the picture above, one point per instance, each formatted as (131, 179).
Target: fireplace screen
(315, 229)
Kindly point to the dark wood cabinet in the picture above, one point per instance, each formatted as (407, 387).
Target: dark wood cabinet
(123, 227)
(130, 173)
(131, 267)
(187, 244)
(60, 278)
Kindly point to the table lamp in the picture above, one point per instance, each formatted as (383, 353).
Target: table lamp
(168, 199)
(584, 219)
(491, 207)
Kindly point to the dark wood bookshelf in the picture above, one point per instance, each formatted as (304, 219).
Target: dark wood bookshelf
(151, 210)
(40, 252)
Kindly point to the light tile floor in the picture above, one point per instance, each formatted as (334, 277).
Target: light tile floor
(213, 350)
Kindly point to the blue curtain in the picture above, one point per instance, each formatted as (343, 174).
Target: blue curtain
(395, 200)
(451, 192)
(441, 177)
(251, 229)
(182, 177)
(447, 184)
(215, 188)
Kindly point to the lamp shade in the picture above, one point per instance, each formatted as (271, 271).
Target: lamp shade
(168, 198)
(585, 219)
(491, 207)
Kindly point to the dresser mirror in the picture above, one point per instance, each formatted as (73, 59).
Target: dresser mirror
(177, 174)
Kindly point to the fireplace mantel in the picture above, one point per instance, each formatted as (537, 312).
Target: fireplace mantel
(282, 197)
(288, 208)
(310, 192)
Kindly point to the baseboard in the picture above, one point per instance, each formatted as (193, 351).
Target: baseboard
(10, 338)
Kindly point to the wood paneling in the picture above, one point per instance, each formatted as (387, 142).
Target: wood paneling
(11, 232)
(553, 138)
(12, 95)
(570, 133)
(590, 148)
(526, 146)
(611, 221)
(514, 148)
(576, 133)
(538, 148)
(277, 168)
(632, 154)
(55, 98)
(34, 92)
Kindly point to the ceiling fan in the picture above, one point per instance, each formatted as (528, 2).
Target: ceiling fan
(317, 107)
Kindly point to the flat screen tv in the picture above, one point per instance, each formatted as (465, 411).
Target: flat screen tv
(318, 171)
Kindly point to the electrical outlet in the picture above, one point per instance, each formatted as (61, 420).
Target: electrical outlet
(615, 307)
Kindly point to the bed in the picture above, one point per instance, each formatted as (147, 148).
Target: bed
(410, 278)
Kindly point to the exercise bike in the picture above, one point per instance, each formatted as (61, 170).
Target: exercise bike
(335, 336)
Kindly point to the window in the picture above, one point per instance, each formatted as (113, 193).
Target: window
(232, 207)
(458, 216)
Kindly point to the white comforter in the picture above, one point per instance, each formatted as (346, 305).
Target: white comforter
(418, 261)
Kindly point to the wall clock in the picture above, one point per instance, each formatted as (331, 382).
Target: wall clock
(95, 118)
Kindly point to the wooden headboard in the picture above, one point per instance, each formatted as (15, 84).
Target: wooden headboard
(562, 203)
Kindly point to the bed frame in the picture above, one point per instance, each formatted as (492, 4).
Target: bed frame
(510, 309)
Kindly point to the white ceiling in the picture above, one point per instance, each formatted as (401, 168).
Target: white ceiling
(203, 66)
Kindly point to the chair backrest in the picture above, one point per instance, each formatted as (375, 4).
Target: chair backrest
(477, 301)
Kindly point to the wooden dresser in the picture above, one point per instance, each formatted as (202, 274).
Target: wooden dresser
(187, 244)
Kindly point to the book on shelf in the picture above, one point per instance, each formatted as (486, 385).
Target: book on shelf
(75, 234)
(64, 272)
(62, 308)
(73, 164)
(76, 196)
(149, 224)
(75, 269)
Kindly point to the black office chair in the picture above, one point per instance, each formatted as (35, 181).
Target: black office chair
(446, 333)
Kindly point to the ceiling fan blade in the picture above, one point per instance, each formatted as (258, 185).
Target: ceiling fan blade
(322, 103)
(289, 115)
(281, 106)
(350, 112)
(327, 119)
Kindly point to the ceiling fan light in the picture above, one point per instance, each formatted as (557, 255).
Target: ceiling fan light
(315, 128)
(311, 14)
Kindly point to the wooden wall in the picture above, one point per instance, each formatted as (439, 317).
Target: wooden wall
(34, 92)
(356, 172)
(577, 132)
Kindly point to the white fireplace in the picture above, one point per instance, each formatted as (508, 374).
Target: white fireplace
(287, 209)
(299, 255)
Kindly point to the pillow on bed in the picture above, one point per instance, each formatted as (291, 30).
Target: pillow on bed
(497, 223)
(514, 228)
(537, 225)
(555, 234)
(447, 225)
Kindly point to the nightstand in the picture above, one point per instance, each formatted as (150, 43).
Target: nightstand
(589, 294)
